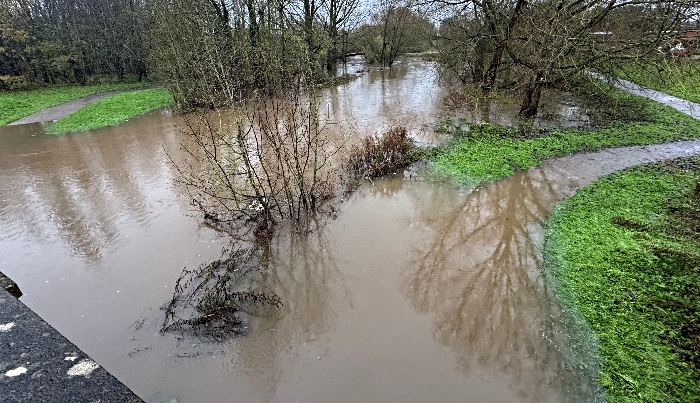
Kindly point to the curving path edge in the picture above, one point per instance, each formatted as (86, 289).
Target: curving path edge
(60, 111)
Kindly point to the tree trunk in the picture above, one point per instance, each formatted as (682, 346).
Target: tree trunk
(478, 61)
(531, 100)
(492, 72)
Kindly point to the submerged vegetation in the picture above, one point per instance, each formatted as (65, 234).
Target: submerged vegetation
(624, 253)
(483, 152)
(112, 110)
(18, 104)
(275, 167)
(211, 299)
(376, 155)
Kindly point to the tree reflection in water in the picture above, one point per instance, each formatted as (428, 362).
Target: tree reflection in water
(477, 272)
(84, 190)
(304, 273)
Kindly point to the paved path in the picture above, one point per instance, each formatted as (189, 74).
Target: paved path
(689, 108)
(63, 110)
(38, 364)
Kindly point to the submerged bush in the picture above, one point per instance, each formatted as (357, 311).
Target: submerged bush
(211, 299)
(378, 155)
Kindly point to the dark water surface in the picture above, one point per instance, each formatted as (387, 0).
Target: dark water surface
(416, 292)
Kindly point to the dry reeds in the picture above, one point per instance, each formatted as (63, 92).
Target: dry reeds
(378, 155)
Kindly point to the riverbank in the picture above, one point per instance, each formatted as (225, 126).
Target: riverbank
(479, 153)
(624, 253)
(18, 104)
(112, 110)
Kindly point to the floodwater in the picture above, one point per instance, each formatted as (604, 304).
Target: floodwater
(416, 292)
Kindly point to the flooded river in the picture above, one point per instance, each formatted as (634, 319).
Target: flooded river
(416, 292)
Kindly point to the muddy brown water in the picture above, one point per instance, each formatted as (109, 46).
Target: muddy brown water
(417, 292)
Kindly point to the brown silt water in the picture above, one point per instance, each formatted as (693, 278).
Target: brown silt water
(417, 291)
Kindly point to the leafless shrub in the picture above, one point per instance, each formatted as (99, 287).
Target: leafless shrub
(457, 99)
(378, 155)
(211, 298)
(272, 164)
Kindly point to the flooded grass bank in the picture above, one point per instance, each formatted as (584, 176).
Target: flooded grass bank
(18, 104)
(624, 254)
(112, 111)
(484, 152)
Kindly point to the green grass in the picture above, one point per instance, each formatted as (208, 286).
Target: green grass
(680, 78)
(624, 254)
(485, 152)
(18, 104)
(113, 110)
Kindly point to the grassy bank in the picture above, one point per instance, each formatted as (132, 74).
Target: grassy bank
(484, 152)
(624, 253)
(680, 78)
(113, 110)
(18, 104)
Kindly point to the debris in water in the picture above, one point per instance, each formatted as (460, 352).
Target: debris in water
(211, 298)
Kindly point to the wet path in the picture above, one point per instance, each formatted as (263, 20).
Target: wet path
(60, 111)
(39, 365)
(689, 108)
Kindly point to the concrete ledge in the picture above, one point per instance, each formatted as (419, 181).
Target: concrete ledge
(38, 364)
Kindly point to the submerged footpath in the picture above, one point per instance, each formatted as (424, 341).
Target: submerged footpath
(38, 364)
(622, 256)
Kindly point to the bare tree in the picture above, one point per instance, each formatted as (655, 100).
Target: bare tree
(395, 29)
(339, 17)
(545, 43)
(271, 164)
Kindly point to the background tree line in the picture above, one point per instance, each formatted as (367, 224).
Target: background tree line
(217, 52)
(208, 52)
(70, 41)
